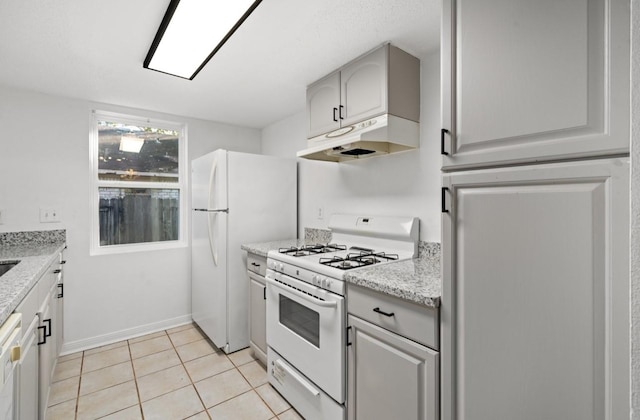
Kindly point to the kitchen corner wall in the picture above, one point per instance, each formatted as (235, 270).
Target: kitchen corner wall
(44, 162)
(403, 184)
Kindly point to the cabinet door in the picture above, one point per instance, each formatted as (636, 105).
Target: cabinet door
(258, 308)
(27, 406)
(323, 100)
(363, 87)
(390, 377)
(535, 315)
(526, 81)
(44, 359)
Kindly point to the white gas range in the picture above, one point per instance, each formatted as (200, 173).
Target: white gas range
(306, 309)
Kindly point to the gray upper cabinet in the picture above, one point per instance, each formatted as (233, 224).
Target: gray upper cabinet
(363, 88)
(528, 81)
(386, 80)
(323, 98)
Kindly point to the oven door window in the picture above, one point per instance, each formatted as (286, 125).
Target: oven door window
(301, 320)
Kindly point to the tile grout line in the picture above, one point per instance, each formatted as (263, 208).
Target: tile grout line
(206, 411)
(135, 380)
(75, 413)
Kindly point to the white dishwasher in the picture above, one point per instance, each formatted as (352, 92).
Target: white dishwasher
(9, 357)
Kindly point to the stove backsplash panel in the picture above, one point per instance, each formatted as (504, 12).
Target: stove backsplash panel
(317, 236)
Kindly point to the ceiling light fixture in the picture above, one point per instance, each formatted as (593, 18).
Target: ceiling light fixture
(192, 31)
(130, 144)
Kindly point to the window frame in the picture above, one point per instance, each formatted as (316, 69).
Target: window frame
(96, 184)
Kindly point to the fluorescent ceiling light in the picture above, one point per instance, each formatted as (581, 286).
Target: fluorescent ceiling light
(192, 31)
(130, 144)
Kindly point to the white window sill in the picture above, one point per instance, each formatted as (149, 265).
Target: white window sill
(140, 247)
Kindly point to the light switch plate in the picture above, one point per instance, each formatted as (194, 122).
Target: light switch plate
(320, 212)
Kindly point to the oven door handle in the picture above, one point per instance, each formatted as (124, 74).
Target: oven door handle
(310, 299)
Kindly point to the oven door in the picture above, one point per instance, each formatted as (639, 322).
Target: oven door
(306, 326)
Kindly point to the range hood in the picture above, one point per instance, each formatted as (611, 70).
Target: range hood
(381, 135)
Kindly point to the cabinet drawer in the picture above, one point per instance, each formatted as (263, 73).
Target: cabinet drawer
(415, 322)
(257, 264)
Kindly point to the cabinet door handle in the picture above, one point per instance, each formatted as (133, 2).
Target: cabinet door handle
(383, 313)
(47, 334)
(334, 114)
(442, 200)
(44, 337)
(340, 113)
(264, 293)
(61, 287)
(442, 133)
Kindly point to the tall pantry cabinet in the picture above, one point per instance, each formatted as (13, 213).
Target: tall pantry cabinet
(535, 143)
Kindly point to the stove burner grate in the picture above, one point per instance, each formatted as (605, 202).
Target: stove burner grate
(305, 250)
(355, 260)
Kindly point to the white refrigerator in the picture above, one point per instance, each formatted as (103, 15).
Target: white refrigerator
(236, 198)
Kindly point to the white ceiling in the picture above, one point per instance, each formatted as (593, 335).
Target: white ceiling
(94, 49)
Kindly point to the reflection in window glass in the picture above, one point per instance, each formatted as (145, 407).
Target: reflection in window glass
(136, 215)
(137, 153)
(301, 320)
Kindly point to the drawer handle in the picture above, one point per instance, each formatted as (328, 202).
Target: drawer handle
(255, 264)
(383, 313)
(57, 271)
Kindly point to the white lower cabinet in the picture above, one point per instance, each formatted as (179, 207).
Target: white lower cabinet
(27, 407)
(42, 338)
(256, 269)
(390, 376)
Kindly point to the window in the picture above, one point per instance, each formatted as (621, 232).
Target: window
(139, 183)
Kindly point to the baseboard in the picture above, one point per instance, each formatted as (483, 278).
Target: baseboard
(102, 340)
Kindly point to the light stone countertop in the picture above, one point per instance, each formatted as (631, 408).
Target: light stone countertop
(17, 282)
(262, 248)
(417, 280)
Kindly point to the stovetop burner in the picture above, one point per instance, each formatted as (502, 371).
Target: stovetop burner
(305, 250)
(355, 260)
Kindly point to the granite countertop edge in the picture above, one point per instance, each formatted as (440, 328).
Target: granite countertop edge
(417, 280)
(263, 248)
(17, 282)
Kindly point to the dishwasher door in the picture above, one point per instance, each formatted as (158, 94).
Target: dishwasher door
(9, 357)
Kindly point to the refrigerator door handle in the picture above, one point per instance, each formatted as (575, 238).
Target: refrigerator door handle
(212, 240)
(213, 210)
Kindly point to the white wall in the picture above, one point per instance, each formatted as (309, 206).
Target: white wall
(44, 161)
(404, 184)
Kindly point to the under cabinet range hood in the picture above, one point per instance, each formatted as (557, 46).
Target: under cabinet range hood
(377, 136)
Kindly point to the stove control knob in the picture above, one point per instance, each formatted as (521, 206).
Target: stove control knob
(324, 282)
(314, 279)
(328, 283)
(272, 265)
(281, 267)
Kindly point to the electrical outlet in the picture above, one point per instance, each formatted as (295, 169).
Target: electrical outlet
(320, 213)
(49, 215)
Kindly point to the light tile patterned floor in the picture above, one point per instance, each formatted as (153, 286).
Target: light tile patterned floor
(172, 374)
